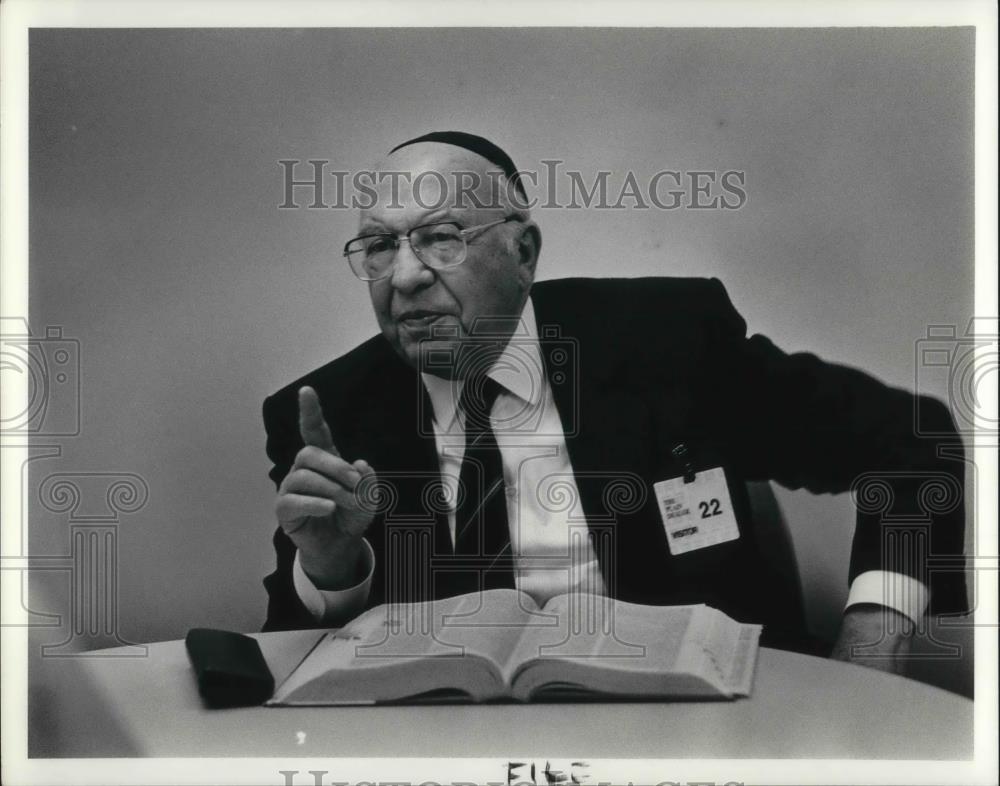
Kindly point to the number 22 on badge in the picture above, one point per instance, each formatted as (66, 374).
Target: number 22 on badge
(696, 514)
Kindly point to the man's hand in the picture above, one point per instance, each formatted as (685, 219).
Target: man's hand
(317, 506)
(874, 636)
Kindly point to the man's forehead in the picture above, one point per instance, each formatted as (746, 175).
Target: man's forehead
(405, 218)
(436, 157)
(432, 180)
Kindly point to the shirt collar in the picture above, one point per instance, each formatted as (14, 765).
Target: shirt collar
(519, 370)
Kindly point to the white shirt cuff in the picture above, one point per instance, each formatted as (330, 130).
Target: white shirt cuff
(334, 605)
(895, 590)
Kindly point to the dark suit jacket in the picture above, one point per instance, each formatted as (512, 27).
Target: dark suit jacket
(638, 367)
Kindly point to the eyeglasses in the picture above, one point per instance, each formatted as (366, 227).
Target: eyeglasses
(439, 246)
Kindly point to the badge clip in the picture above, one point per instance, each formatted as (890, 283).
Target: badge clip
(680, 452)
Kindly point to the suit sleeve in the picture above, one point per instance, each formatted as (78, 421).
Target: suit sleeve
(806, 423)
(285, 611)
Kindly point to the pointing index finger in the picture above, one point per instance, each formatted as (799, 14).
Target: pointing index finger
(312, 425)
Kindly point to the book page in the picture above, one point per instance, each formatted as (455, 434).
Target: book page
(605, 647)
(487, 624)
(600, 632)
(745, 660)
(723, 650)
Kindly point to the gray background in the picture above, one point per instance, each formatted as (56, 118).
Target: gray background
(156, 239)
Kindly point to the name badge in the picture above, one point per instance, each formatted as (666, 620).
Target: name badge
(696, 514)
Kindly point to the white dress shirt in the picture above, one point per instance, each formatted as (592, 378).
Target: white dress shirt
(548, 531)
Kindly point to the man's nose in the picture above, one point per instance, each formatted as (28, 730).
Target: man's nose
(409, 273)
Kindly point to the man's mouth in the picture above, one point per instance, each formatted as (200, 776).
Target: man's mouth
(418, 318)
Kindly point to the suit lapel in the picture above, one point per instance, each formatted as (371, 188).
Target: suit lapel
(609, 437)
(395, 426)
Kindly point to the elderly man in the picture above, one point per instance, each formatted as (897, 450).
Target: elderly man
(589, 435)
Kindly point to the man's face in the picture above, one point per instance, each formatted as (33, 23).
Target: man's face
(415, 305)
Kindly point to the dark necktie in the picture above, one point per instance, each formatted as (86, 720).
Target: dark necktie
(482, 529)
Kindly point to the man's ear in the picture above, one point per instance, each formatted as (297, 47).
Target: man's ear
(529, 246)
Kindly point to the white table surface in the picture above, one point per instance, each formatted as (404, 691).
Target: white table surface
(108, 704)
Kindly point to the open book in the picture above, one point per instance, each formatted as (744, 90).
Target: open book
(499, 645)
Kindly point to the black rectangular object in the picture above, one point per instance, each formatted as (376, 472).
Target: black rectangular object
(230, 669)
